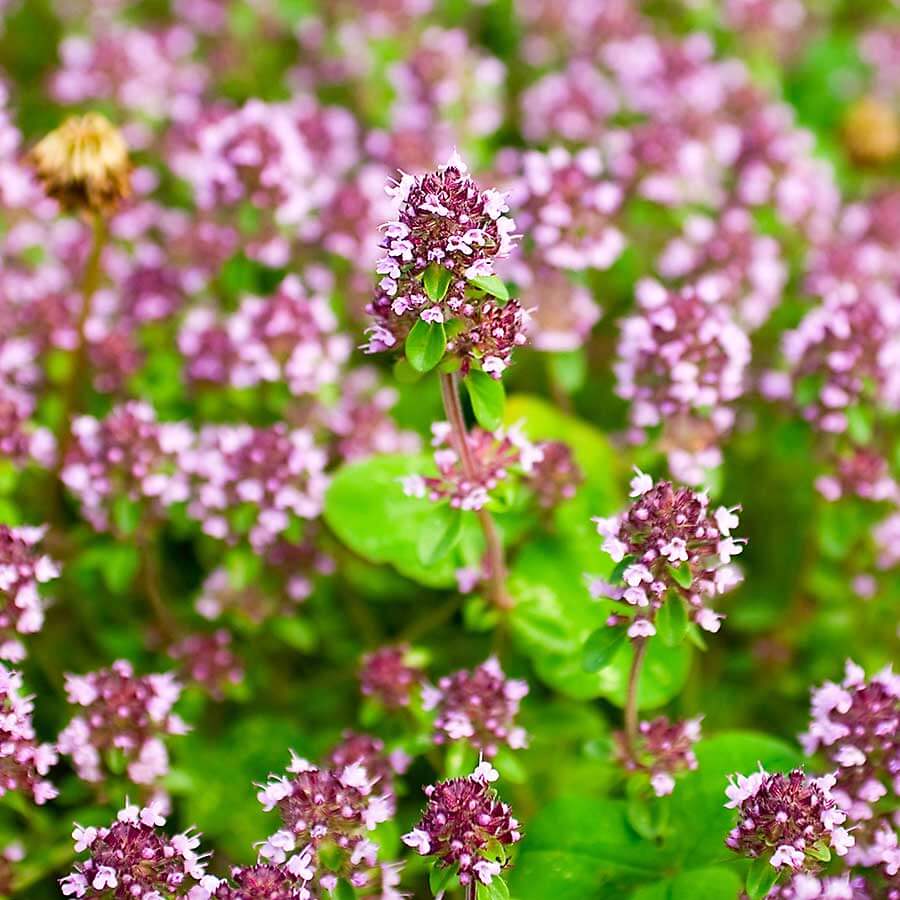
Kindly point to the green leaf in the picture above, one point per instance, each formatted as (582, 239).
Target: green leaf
(496, 890)
(492, 285)
(819, 851)
(441, 878)
(601, 647)
(712, 883)
(568, 369)
(682, 575)
(405, 373)
(579, 848)
(126, 515)
(859, 424)
(488, 399)
(672, 620)
(119, 565)
(440, 537)
(425, 345)
(367, 510)
(344, 891)
(460, 760)
(436, 280)
(615, 577)
(761, 878)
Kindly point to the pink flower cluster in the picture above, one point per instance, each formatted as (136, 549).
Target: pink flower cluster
(208, 661)
(857, 725)
(129, 454)
(446, 221)
(132, 858)
(465, 824)
(290, 336)
(325, 808)
(479, 707)
(670, 549)
(681, 363)
(388, 676)
(24, 762)
(793, 817)
(122, 713)
(665, 749)
(276, 473)
(22, 570)
(492, 457)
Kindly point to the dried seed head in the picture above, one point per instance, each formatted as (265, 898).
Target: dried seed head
(84, 164)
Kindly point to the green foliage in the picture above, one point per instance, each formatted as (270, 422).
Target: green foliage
(425, 345)
(488, 399)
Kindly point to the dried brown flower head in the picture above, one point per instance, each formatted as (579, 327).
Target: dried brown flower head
(84, 164)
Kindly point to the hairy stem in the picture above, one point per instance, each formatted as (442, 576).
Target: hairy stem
(631, 701)
(496, 563)
(89, 284)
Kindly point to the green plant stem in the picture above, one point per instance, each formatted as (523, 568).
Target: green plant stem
(496, 563)
(89, 284)
(631, 699)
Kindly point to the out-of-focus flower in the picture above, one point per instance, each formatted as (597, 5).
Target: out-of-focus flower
(494, 457)
(208, 661)
(793, 817)
(804, 886)
(325, 809)
(24, 762)
(388, 676)
(84, 164)
(886, 535)
(129, 454)
(672, 549)
(465, 824)
(555, 476)
(479, 707)
(133, 858)
(122, 713)
(291, 336)
(22, 569)
(276, 471)
(664, 750)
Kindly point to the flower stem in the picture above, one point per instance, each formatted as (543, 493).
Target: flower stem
(631, 700)
(89, 284)
(496, 563)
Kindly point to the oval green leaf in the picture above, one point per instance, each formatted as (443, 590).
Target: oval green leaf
(425, 345)
(488, 399)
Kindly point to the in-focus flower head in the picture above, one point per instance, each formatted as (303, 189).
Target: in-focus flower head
(84, 164)
(389, 676)
(326, 813)
(450, 230)
(479, 707)
(122, 712)
(465, 824)
(664, 750)
(22, 569)
(24, 762)
(670, 549)
(793, 817)
(261, 882)
(133, 858)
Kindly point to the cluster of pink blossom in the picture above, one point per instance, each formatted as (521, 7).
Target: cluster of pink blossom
(133, 858)
(123, 713)
(886, 535)
(862, 472)
(467, 482)
(276, 473)
(24, 762)
(208, 661)
(324, 808)
(556, 476)
(793, 817)
(466, 825)
(446, 224)
(388, 675)
(127, 455)
(360, 423)
(880, 48)
(669, 549)
(290, 336)
(681, 362)
(149, 73)
(566, 204)
(728, 264)
(479, 707)
(664, 750)
(857, 725)
(22, 570)
(804, 886)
